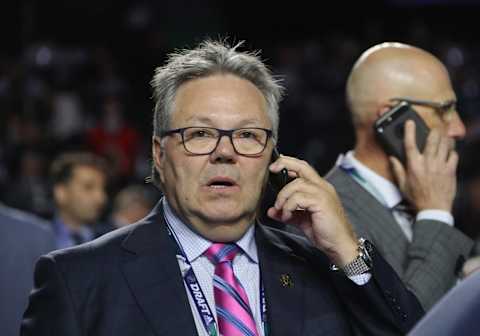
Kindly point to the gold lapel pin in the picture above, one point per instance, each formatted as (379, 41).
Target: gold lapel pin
(286, 280)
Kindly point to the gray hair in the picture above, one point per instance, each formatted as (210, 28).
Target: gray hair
(210, 58)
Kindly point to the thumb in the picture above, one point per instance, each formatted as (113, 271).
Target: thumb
(398, 172)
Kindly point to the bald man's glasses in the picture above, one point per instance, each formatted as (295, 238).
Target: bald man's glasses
(441, 108)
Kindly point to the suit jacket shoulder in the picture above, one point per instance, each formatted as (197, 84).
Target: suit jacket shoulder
(23, 239)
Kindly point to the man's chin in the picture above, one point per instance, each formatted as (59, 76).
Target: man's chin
(224, 225)
(226, 232)
(224, 217)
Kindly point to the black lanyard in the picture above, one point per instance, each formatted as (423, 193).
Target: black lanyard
(199, 298)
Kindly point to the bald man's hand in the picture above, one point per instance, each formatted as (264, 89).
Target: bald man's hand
(428, 180)
(312, 204)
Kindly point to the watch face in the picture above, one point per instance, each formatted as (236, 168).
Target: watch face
(367, 249)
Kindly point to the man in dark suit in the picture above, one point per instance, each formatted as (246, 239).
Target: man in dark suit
(23, 239)
(418, 238)
(200, 263)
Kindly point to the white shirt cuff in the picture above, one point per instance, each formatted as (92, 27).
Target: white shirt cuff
(437, 215)
(361, 279)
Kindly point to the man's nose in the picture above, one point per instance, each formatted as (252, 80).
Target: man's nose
(224, 151)
(456, 127)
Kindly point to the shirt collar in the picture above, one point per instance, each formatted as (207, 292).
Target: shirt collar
(389, 192)
(194, 245)
(64, 234)
(60, 227)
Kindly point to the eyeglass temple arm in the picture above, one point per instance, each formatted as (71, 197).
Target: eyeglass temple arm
(424, 102)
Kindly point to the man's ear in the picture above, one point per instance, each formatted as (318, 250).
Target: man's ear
(59, 194)
(158, 155)
(383, 108)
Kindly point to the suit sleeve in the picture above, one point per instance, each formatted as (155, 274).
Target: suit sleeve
(50, 310)
(435, 254)
(384, 306)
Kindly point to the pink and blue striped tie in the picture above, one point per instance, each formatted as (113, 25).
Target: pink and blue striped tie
(233, 310)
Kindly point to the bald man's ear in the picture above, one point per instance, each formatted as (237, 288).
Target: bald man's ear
(158, 155)
(383, 108)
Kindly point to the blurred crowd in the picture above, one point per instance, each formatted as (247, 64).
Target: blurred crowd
(57, 98)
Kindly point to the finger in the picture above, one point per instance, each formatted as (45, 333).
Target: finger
(433, 141)
(279, 215)
(398, 172)
(297, 185)
(411, 149)
(443, 149)
(301, 224)
(298, 200)
(296, 168)
(274, 214)
(452, 162)
(276, 166)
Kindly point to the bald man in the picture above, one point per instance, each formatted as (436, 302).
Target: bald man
(422, 245)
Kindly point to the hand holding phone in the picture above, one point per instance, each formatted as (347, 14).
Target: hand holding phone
(312, 205)
(428, 178)
(389, 130)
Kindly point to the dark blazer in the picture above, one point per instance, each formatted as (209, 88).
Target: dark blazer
(23, 239)
(128, 282)
(457, 313)
(428, 265)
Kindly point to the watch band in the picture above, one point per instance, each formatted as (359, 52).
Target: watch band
(356, 267)
(362, 263)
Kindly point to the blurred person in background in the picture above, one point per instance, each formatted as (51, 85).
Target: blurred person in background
(115, 139)
(79, 181)
(467, 205)
(421, 243)
(28, 188)
(23, 239)
(130, 205)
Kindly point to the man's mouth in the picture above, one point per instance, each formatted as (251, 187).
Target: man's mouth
(221, 182)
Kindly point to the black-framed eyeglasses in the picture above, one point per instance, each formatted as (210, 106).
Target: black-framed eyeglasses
(204, 140)
(441, 108)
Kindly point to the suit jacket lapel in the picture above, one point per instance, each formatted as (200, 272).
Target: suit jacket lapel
(283, 283)
(151, 270)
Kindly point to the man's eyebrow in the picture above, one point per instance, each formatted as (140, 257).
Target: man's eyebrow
(205, 120)
(252, 122)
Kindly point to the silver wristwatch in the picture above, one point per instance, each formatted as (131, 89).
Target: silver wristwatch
(363, 262)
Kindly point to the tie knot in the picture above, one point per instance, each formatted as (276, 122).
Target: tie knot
(405, 207)
(220, 252)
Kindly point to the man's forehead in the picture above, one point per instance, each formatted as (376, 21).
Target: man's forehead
(86, 171)
(212, 119)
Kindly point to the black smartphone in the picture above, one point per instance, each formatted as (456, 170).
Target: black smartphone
(389, 129)
(279, 180)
